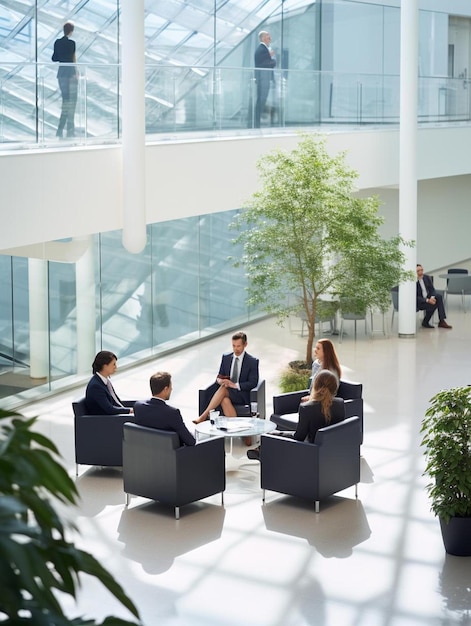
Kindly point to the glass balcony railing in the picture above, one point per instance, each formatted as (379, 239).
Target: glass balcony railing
(211, 101)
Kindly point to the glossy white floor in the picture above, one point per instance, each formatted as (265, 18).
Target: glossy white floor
(375, 561)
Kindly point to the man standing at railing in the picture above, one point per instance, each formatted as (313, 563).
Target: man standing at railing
(64, 52)
(264, 77)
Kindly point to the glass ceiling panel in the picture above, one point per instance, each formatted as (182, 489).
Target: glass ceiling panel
(170, 26)
(177, 32)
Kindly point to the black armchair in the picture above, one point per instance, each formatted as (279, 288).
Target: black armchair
(286, 405)
(98, 438)
(156, 466)
(257, 394)
(312, 470)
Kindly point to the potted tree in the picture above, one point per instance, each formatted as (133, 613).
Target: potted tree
(446, 430)
(307, 237)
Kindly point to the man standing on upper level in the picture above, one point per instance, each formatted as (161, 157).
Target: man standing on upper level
(64, 52)
(265, 61)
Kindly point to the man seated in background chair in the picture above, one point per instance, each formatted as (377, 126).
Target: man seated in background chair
(429, 300)
(100, 396)
(238, 374)
(156, 413)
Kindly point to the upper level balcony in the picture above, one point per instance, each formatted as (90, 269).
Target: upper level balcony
(182, 102)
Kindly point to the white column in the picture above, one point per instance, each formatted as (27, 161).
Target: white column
(134, 131)
(38, 318)
(408, 158)
(86, 309)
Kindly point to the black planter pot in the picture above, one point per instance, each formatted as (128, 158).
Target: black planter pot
(457, 536)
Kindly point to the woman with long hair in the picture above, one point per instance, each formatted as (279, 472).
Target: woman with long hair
(322, 408)
(325, 358)
(319, 411)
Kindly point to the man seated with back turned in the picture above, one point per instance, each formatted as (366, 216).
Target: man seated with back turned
(429, 301)
(156, 413)
(238, 375)
(100, 396)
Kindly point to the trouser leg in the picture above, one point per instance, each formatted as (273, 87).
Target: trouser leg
(71, 106)
(429, 310)
(262, 95)
(441, 307)
(64, 88)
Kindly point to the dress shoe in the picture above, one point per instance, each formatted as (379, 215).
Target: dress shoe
(443, 324)
(424, 325)
(254, 454)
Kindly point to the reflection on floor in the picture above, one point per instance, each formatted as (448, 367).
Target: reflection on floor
(375, 561)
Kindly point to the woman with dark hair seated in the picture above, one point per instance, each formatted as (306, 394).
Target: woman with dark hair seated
(100, 396)
(322, 409)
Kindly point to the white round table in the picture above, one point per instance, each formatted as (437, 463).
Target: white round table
(230, 427)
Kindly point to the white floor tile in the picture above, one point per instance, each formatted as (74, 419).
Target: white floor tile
(377, 561)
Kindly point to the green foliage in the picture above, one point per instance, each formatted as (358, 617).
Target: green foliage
(326, 309)
(446, 430)
(306, 234)
(294, 379)
(36, 560)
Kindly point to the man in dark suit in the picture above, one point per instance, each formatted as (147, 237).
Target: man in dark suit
(429, 301)
(64, 52)
(100, 396)
(238, 374)
(264, 60)
(156, 413)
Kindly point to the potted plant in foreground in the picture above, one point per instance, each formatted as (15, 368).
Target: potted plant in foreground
(446, 430)
(39, 564)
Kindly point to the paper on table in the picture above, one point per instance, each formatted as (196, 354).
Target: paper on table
(233, 425)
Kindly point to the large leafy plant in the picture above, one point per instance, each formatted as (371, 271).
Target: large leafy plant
(36, 558)
(306, 234)
(446, 430)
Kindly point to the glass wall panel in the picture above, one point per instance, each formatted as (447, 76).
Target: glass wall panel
(221, 285)
(433, 44)
(20, 309)
(6, 320)
(55, 315)
(176, 260)
(14, 321)
(119, 284)
(62, 320)
(352, 37)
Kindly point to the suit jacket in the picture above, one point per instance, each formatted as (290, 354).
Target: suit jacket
(311, 418)
(64, 51)
(100, 401)
(248, 376)
(156, 413)
(263, 59)
(430, 291)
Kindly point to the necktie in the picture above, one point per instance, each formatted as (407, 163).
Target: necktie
(235, 370)
(112, 392)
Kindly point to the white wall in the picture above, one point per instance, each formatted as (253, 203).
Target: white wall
(444, 218)
(62, 193)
